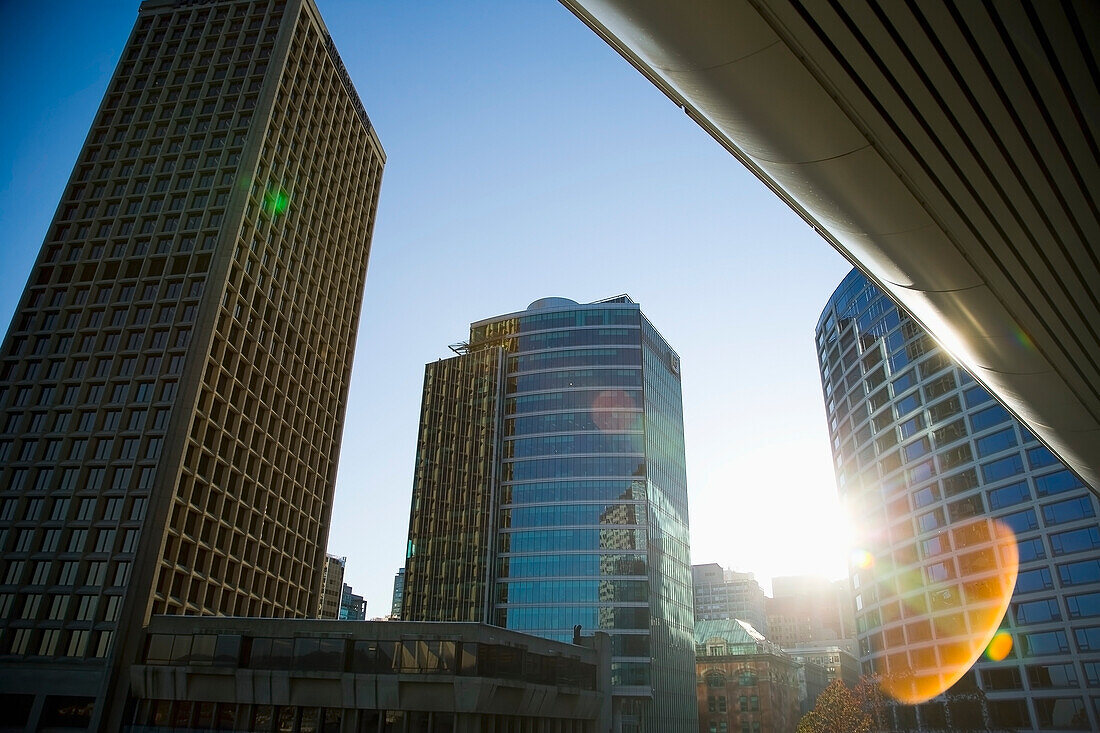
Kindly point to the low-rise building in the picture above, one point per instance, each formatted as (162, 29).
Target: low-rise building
(743, 681)
(812, 681)
(838, 661)
(213, 673)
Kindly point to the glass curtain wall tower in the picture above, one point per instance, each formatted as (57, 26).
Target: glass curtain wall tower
(173, 383)
(550, 492)
(921, 452)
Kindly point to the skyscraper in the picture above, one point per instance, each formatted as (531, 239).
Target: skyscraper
(930, 465)
(332, 587)
(173, 383)
(550, 492)
(725, 594)
(397, 599)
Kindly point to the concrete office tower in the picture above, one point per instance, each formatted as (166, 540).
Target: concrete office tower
(332, 586)
(173, 383)
(550, 491)
(920, 449)
(724, 594)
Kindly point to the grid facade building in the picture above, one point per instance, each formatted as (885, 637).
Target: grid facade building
(332, 587)
(550, 492)
(173, 383)
(930, 465)
(722, 594)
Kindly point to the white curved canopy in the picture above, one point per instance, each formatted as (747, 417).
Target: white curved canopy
(949, 150)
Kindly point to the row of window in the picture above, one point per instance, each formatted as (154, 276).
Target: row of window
(533, 618)
(574, 378)
(555, 492)
(574, 444)
(609, 420)
(527, 323)
(580, 466)
(1085, 605)
(529, 592)
(558, 515)
(329, 654)
(558, 540)
(572, 565)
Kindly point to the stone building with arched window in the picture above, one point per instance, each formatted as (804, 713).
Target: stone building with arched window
(744, 683)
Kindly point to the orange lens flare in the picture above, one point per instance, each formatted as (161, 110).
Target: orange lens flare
(967, 579)
(999, 647)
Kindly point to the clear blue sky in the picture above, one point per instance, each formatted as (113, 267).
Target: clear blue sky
(525, 159)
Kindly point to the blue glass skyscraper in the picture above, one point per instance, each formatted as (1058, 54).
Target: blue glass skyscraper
(550, 492)
(924, 456)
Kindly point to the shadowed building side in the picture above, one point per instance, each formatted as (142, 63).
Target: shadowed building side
(174, 381)
(448, 561)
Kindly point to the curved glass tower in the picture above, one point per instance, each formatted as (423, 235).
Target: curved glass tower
(578, 471)
(925, 459)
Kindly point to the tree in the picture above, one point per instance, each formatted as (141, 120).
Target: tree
(837, 711)
(872, 701)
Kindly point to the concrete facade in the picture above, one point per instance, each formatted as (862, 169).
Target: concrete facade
(174, 380)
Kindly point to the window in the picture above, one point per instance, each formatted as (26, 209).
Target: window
(1077, 540)
(997, 442)
(940, 386)
(1040, 457)
(1007, 678)
(988, 418)
(1045, 642)
(916, 450)
(1003, 468)
(949, 433)
(1064, 713)
(1083, 606)
(1068, 511)
(1032, 549)
(976, 396)
(956, 456)
(1056, 483)
(1009, 495)
(1034, 612)
(908, 404)
(1077, 573)
(1021, 521)
(1050, 676)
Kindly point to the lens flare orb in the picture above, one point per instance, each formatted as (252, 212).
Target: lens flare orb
(955, 604)
(999, 647)
(862, 559)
